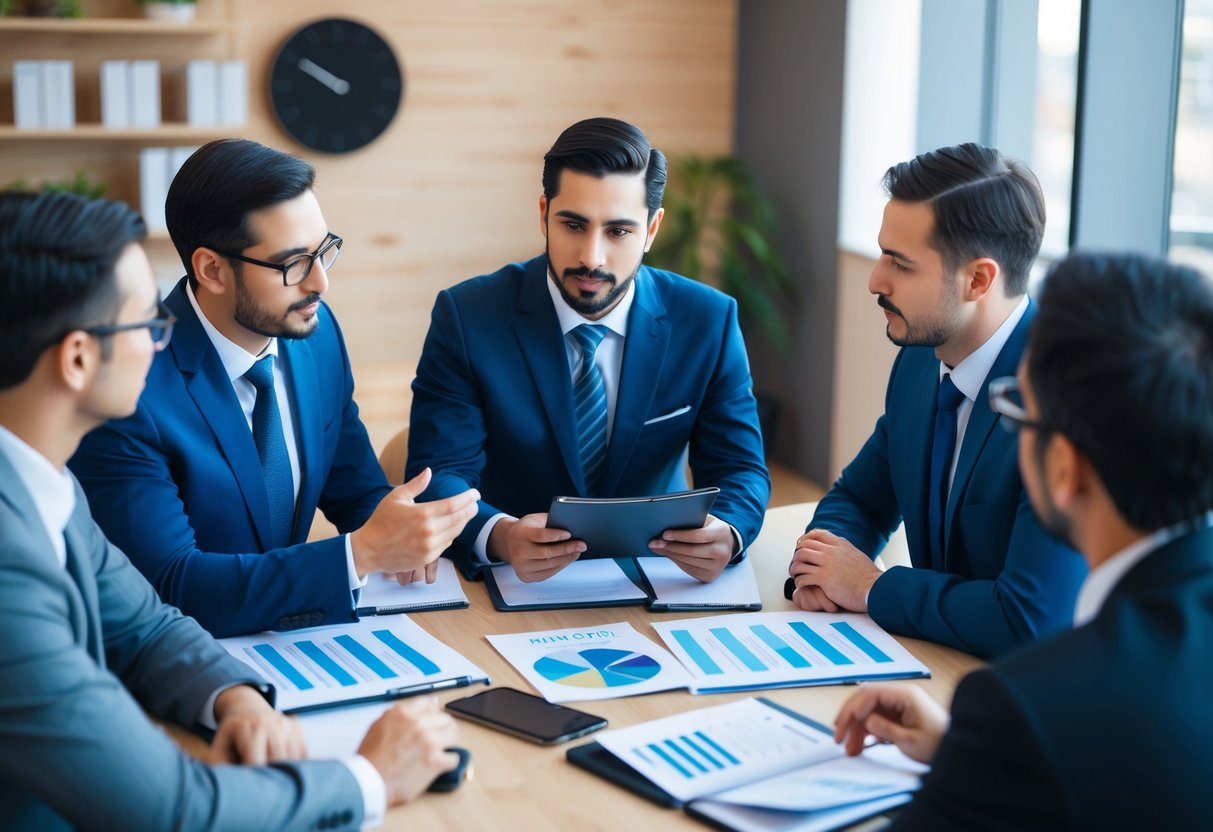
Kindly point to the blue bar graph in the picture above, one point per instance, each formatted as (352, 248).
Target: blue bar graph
(660, 752)
(358, 651)
(701, 751)
(718, 748)
(313, 652)
(283, 666)
(695, 651)
(681, 752)
(734, 646)
(779, 646)
(819, 644)
(859, 641)
(407, 653)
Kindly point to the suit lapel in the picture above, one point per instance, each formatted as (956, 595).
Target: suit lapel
(538, 332)
(208, 385)
(80, 568)
(644, 355)
(982, 420)
(918, 424)
(299, 367)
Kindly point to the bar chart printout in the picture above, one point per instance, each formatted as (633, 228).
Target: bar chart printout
(783, 649)
(368, 660)
(707, 750)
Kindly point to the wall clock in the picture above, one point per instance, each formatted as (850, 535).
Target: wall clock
(335, 85)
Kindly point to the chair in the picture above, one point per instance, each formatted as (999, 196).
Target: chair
(394, 457)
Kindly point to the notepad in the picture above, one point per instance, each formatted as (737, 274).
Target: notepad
(383, 596)
(590, 583)
(676, 591)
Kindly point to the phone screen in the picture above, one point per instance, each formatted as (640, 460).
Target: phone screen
(525, 715)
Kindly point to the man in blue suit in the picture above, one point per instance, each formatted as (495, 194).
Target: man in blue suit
(248, 423)
(583, 372)
(1107, 726)
(86, 647)
(961, 229)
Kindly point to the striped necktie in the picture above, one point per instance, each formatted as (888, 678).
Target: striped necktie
(590, 405)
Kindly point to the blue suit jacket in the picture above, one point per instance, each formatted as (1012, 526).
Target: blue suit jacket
(493, 401)
(1104, 727)
(84, 651)
(178, 485)
(1003, 580)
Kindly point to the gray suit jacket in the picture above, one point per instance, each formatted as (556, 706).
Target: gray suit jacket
(82, 650)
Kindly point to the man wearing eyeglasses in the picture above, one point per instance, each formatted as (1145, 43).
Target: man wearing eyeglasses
(1106, 726)
(85, 646)
(248, 423)
(960, 232)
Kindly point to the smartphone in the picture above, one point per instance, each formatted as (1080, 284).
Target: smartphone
(525, 715)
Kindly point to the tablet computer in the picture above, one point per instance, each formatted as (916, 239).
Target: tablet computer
(619, 527)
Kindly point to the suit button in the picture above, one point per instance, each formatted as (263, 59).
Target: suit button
(347, 816)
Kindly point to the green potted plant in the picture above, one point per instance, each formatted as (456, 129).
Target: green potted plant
(177, 11)
(48, 8)
(78, 184)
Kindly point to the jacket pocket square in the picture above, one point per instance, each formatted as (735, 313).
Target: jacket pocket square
(669, 415)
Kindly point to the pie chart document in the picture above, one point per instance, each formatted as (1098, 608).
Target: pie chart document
(582, 663)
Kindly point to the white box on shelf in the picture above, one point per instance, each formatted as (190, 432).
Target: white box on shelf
(153, 186)
(115, 94)
(177, 157)
(145, 94)
(59, 87)
(233, 93)
(201, 93)
(29, 110)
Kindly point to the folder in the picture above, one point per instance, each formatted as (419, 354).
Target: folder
(623, 526)
(382, 596)
(29, 102)
(115, 94)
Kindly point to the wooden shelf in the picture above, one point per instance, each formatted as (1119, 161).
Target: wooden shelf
(95, 132)
(110, 26)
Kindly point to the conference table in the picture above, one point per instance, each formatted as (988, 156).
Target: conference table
(524, 786)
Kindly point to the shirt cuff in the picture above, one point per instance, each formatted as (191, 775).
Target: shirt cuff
(374, 791)
(351, 572)
(481, 547)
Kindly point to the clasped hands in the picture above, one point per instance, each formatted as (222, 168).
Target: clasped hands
(831, 575)
(537, 552)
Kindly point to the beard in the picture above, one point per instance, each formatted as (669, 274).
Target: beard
(258, 319)
(585, 304)
(928, 333)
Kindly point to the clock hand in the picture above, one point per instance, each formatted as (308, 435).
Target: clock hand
(337, 85)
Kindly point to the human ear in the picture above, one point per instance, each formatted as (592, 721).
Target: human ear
(654, 224)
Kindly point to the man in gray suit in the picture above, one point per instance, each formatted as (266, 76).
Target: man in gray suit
(85, 644)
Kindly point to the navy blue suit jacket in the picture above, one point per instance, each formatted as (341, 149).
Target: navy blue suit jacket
(1003, 581)
(178, 485)
(493, 401)
(1105, 727)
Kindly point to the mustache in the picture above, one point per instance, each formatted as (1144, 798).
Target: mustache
(314, 297)
(885, 303)
(596, 274)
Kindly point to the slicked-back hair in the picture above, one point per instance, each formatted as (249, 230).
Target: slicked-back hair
(211, 197)
(57, 258)
(1120, 359)
(601, 146)
(985, 205)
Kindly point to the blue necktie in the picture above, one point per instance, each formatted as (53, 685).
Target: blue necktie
(271, 448)
(942, 448)
(590, 405)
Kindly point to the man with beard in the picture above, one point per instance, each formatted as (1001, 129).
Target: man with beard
(1106, 726)
(961, 229)
(583, 372)
(248, 422)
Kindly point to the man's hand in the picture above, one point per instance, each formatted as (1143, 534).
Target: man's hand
(428, 573)
(702, 553)
(251, 732)
(830, 571)
(901, 714)
(406, 744)
(535, 551)
(405, 536)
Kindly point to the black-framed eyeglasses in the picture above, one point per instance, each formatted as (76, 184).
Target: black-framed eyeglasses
(159, 327)
(295, 270)
(1007, 401)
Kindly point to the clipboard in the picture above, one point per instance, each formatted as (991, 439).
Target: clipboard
(619, 527)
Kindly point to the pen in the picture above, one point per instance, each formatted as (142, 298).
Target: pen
(456, 682)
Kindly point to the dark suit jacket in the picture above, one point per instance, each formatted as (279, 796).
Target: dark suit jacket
(1003, 581)
(493, 401)
(1105, 727)
(178, 486)
(83, 651)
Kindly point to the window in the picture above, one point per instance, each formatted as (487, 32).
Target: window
(1057, 32)
(1191, 239)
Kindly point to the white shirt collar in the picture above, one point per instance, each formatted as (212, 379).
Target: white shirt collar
(616, 320)
(970, 374)
(53, 492)
(1104, 578)
(236, 359)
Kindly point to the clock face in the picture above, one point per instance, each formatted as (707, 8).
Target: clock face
(335, 85)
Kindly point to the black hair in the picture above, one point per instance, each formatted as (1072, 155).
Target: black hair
(985, 205)
(211, 197)
(600, 146)
(1120, 359)
(57, 258)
